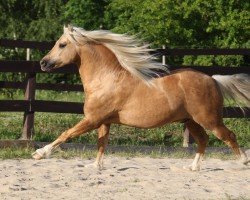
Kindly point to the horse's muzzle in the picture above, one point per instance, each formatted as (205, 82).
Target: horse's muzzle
(46, 65)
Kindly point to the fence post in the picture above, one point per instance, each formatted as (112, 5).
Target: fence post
(163, 56)
(187, 137)
(30, 89)
(28, 125)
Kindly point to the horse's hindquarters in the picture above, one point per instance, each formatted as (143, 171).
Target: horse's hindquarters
(203, 99)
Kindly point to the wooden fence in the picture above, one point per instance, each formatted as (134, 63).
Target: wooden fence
(30, 105)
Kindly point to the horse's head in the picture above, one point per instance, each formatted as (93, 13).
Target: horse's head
(64, 52)
(79, 46)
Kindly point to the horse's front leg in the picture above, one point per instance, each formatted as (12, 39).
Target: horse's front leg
(82, 127)
(103, 136)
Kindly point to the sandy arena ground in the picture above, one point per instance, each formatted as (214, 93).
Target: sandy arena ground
(123, 178)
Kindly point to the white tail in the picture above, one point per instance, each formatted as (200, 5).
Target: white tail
(235, 87)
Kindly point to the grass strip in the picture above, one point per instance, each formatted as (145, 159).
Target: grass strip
(25, 153)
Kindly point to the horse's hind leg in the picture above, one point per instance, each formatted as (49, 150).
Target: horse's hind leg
(201, 138)
(227, 136)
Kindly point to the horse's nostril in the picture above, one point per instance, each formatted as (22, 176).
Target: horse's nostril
(43, 63)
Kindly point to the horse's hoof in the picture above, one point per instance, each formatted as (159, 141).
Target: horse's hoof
(94, 166)
(38, 154)
(192, 168)
(189, 167)
(246, 162)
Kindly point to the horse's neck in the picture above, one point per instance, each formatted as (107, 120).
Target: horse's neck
(101, 71)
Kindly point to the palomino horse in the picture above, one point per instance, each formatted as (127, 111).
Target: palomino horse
(117, 73)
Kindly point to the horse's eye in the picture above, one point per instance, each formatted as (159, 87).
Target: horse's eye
(62, 45)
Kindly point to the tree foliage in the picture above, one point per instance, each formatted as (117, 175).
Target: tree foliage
(185, 23)
(87, 14)
(31, 20)
(180, 23)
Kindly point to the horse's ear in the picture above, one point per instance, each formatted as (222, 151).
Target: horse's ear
(69, 27)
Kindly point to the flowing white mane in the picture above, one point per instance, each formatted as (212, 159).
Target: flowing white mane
(131, 54)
